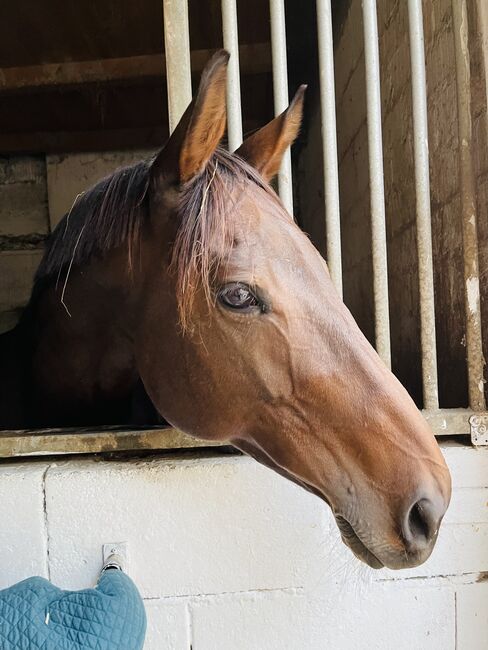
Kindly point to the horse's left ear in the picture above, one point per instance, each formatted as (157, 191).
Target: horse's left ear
(264, 149)
(201, 128)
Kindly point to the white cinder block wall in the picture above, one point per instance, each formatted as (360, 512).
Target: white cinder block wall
(229, 556)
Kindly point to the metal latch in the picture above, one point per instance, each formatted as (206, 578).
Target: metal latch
(115, 556)
(478, 425)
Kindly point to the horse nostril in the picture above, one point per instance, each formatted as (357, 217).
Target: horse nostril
(421, 524)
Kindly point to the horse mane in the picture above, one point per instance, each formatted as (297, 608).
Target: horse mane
(100, 219)
(112, 213)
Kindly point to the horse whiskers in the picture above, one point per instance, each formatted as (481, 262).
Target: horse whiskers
(69, 271)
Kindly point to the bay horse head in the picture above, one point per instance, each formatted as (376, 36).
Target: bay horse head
(205, 288)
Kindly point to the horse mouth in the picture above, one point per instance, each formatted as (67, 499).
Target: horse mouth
(354, 542)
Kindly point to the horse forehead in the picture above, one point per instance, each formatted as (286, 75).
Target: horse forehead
(262, 222)
(267, 239)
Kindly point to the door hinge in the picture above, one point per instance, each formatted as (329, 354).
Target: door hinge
(478, 425)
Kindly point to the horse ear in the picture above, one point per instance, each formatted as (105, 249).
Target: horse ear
(201, 128)
(264, 149)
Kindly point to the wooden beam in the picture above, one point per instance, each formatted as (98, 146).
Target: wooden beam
(96, 140)
(54, 442)
(254, 58)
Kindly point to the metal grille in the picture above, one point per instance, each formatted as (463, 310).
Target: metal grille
(444, 421)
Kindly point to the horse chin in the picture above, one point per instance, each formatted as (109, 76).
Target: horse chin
(349, 536)
(352, 540)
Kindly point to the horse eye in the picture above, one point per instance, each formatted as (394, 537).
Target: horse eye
(237, 295)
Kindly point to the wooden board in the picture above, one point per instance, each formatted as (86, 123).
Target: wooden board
(55, 442)
(253, 58)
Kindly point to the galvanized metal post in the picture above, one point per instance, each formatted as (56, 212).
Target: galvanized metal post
(178, 63)
(474, 345)
(377, 191)
(329, 142)
(231, 43)
(280, 91)
(422, 191)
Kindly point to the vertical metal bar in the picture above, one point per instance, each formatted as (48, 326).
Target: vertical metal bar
(474, 345)
(280, 91)
(422, 191)
(329, 142)
(178, 64)
(231, 43)
(377, 191)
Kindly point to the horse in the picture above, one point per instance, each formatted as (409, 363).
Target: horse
(184, 274)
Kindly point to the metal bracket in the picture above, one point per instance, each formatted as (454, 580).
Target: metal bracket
(478, 424)
(115, 556)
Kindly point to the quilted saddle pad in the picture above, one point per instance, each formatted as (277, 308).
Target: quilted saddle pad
(35, 615)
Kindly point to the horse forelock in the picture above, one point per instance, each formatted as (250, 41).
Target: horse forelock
(100, 219)
(207, 226)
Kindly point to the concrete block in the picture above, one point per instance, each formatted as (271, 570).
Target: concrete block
(17, 269)
(472, 616)
(258, 621)
(379, 617)
(167, 626)
(23, 210)
(23, 196)
(468, 465)
(22, 169)
(70, 174)
(468, 506)
(192, 526)
(385, 616)
(23, 533)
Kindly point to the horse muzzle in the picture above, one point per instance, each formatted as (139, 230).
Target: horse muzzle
(412, 542)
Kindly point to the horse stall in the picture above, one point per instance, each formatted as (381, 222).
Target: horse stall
(389, 178)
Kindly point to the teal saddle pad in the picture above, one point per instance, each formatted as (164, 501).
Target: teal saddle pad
(36, 615)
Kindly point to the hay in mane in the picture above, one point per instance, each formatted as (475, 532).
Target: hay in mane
(112, 213)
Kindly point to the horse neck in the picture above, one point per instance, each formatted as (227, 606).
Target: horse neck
(14, 347)
(82, 364)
